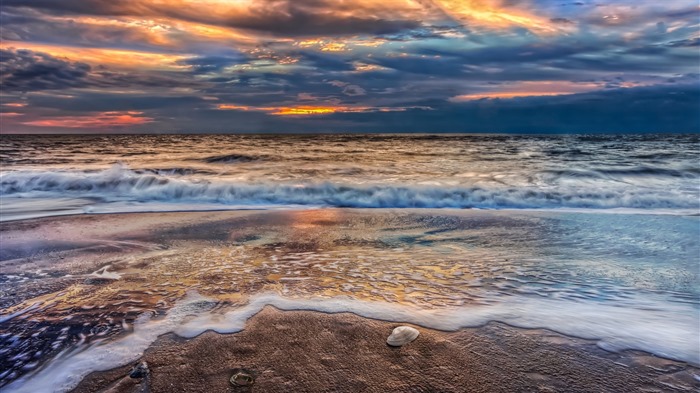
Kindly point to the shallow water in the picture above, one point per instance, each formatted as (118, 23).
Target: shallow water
(628, 281)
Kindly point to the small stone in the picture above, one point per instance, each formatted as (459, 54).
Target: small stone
(97, 281)
(242, 377)
(402, 335)
(140, 370)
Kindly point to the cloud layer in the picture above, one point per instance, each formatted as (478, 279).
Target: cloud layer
(353, 66)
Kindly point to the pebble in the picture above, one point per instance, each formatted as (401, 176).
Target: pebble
(140, 370)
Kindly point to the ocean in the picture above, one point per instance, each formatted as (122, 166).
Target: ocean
(44, 175)
(591, 236)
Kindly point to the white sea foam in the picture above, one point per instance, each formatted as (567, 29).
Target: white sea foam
(664, 328)
(104, 273)
(65, 371)
(120, 184)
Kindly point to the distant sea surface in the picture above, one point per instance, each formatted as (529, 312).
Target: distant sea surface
(54, 175)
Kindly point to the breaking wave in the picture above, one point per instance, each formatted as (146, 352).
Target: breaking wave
(121, 184)
(231, 158)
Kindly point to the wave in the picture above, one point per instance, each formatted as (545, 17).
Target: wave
(231, 158)
(120, 184)
(685, 172)
(174, 171)
(191, 316)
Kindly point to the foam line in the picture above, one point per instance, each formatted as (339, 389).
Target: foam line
(663, 328)
(121, 184)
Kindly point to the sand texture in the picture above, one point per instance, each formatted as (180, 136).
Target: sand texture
(300, 351)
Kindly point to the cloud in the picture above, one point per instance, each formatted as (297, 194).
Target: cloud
(27, 70)
(528, 89)
(357, 65)
(684, 43)
(494, 14)
(306, 110)
(354, 90)
(276, 17)
(93, 121)
(564, 21)
(633, 110)
(207, 64)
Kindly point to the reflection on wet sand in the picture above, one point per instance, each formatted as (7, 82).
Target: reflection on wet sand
(59, 292)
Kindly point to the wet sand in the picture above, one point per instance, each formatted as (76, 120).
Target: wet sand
(428, 258)
(301, 351)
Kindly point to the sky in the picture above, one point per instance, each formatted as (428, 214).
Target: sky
(297, 66)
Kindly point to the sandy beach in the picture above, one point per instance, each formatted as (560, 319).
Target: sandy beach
(307, 299)
(299, 351)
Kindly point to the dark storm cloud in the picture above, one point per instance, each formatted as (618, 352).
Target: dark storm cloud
(85, 7)
(29, 25)
(328, 63)
(685, 43)
(569, 54)
(561, 20)
(297, 21)
(637, 110)
(24, 70)
(280, 17)
(647, 109)
(102, 102)
(444, 67)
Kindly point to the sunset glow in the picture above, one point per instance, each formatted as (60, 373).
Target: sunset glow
(202, 195)
(97, 121)
(425, 65)
(305, 110)
(532, 89)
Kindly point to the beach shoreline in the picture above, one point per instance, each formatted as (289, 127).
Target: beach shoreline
(306, 351)
(118, 267)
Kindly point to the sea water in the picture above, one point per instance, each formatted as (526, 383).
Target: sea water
(590, 236)
(48, 175)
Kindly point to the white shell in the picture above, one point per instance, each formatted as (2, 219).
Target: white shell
(402, 335)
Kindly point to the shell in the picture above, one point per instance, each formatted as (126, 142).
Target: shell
(402, 335)
(242, 377)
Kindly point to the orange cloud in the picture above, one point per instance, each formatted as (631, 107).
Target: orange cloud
(494, 14)
(99, 120)
(289, 110)
(365, 67)
(233, 107)
(10, 114)
(15, 104)
(311, 110)
(117, 58)
(305, 110)
(338, 45)
(324, 45)
(531, 89)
